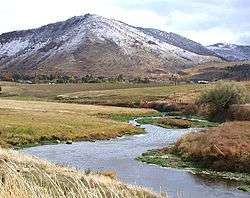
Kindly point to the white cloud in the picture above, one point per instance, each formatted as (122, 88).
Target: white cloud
(211, 36)
(203, 21)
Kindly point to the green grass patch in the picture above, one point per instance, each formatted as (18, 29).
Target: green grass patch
(178, 122)
(172, 160)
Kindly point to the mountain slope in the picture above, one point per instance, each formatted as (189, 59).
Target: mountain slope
(92, 44)
(178, 41)
(231, 52)
(238, 70)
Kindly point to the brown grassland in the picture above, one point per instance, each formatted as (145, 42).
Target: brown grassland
(226, 148)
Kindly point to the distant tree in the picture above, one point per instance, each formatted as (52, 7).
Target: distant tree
(8, 77)
(120, 78)
(174, 78)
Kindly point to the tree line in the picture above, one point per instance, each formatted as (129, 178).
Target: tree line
(54, 78)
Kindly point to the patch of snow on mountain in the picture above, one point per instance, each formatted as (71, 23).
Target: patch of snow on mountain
(231, 52)
(13, 47)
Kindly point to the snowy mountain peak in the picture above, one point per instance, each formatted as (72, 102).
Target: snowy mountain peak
(231, 52)
(223, 45)
(97, 45)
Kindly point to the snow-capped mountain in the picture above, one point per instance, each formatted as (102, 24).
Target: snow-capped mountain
(231, 52)
(92, 44)
(178, 41)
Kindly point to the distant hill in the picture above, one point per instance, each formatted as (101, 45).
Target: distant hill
(239, 71)
(92, 44)
(231, 52)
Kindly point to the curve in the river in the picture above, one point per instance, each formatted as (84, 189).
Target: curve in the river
(119, 154)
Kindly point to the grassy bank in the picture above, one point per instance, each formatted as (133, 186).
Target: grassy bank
(31, 122)
(222, 152)
(177, 122)
(165, 158)
(23, 176)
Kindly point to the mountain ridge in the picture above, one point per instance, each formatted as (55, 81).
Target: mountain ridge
(231, 52)
(92, 44)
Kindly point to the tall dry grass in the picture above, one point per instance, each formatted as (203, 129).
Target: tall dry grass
(224, 148)
(23, 176)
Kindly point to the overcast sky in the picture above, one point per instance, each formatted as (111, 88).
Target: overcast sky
(205, 21)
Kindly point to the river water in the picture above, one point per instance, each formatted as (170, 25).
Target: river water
(119, 154)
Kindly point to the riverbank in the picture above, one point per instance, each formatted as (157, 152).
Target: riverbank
(175, 122)
(221, 153)
(30, 123)
(25, 176)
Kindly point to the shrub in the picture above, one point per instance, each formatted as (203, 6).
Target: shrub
(221, 97)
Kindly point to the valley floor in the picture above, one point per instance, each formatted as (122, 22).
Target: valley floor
(33, 122)
(27, 118)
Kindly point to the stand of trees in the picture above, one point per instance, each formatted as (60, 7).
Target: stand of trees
(53, 78)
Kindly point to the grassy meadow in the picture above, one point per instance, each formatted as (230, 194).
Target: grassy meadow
(113, 94)
(20, 91)
(29, 122)
(133, 97)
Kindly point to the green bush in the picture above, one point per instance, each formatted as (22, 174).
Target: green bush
(219, 99)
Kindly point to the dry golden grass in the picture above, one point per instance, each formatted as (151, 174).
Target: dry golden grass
(26, 122)
(23, 176)
(224, 148)
(239, 112)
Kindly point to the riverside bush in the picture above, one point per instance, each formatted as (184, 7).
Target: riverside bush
(219, 99)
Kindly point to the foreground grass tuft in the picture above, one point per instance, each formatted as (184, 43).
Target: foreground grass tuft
(23, 176)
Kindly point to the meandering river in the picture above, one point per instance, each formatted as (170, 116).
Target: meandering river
(119, 154)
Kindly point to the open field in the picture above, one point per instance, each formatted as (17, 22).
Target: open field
(116, 94)
(50, 91)
(133, 97)
(28, 122)
(23, 176)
